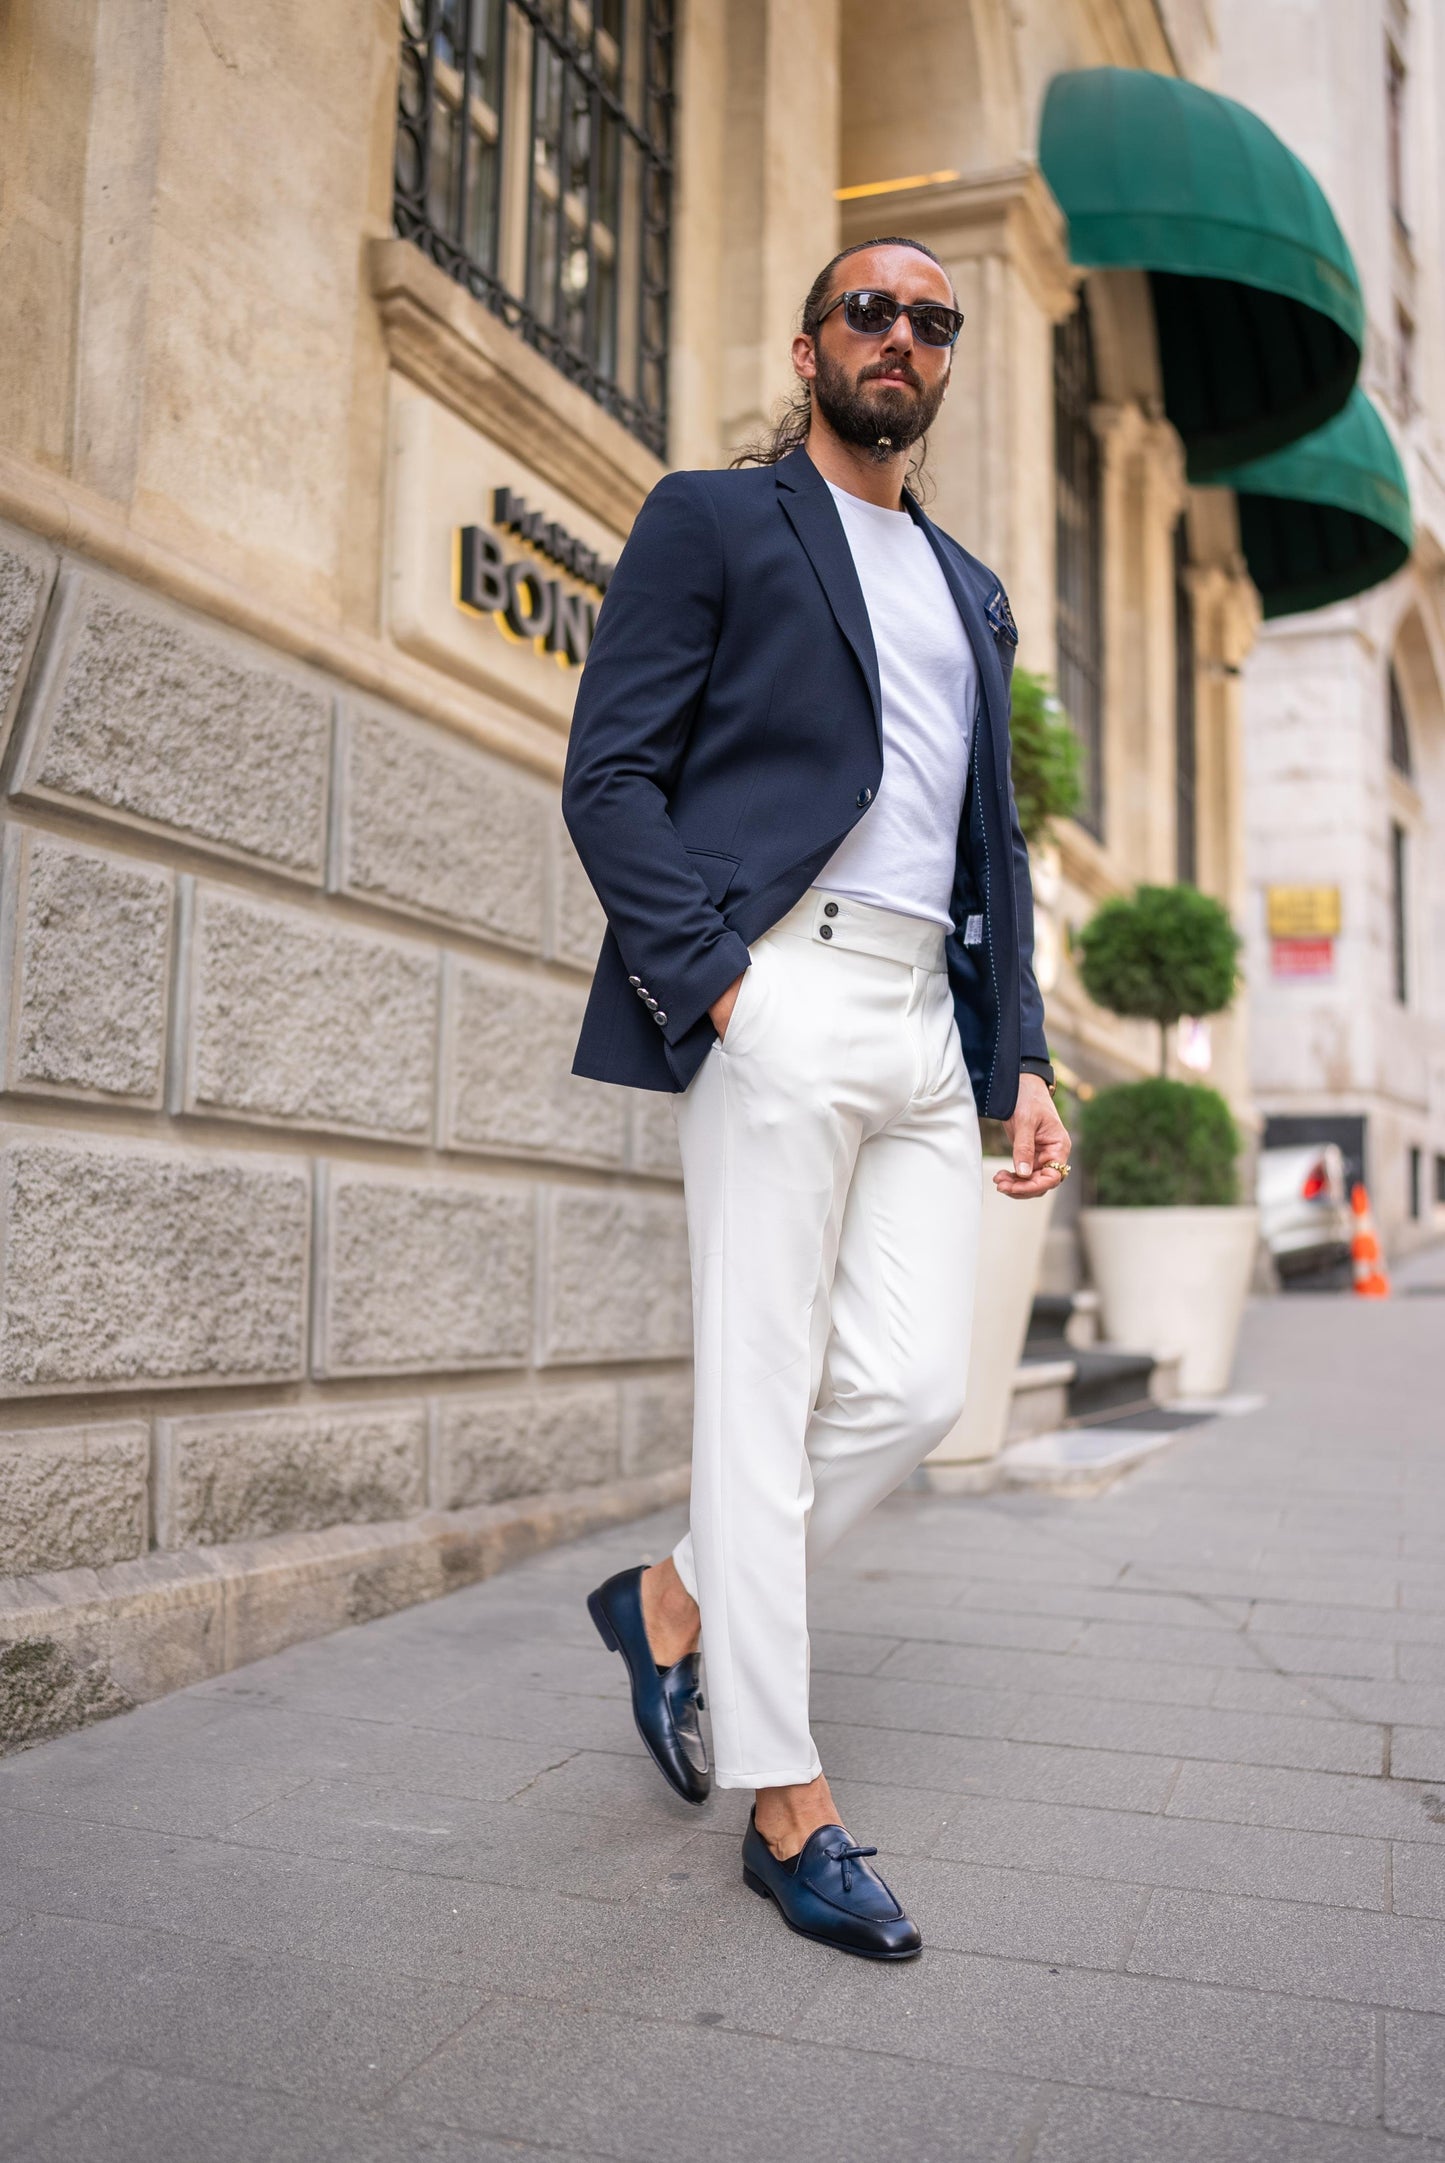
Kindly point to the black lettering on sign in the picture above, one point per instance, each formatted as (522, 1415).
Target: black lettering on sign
(573, 620)
(482, 571)
(549, 538)
(527, 608)
(531, 604)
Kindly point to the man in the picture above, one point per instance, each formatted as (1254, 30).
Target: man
(788, 781)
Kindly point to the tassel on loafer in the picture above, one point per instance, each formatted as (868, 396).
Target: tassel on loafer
(665, 1700)
(829, 1894)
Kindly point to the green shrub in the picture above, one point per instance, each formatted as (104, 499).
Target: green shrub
(1160, 1145)
(1169, 951)
(1046, 773)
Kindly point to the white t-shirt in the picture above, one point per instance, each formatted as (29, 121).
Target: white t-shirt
(902, 853)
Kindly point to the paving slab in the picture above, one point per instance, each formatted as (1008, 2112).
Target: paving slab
(1294, 1947)
(1417, 1880)
(1418, 1753)
(1164, 1682)
(1414, 2074)
(151, 1998)
(1329, 1657)
(1302, 2059)
(141, 2113)
(1310, 1802)
(1137, 1848)
(1092, 2125)
(1161, 1771)
(632, 2089)
(37, 2084)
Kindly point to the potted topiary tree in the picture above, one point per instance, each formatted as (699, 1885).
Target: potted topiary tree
(1045, 763)
(1169, 1246)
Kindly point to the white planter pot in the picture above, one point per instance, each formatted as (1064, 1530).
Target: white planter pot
(1010, 1248)
(1173, 1282)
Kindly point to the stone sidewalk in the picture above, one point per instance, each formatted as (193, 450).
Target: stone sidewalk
(1161, 1773)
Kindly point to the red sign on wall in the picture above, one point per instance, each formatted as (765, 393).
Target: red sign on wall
(1303, 957)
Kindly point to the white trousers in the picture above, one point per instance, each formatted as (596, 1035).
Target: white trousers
(832, 1167)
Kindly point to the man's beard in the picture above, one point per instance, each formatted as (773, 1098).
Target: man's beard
(880, 418)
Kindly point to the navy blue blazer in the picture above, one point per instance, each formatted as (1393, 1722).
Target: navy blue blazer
(728, 734)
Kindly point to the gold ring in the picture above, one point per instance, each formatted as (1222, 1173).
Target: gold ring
(1051, 1165)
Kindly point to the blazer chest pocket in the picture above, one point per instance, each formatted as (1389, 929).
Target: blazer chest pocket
(1001, 621)
(714, 869)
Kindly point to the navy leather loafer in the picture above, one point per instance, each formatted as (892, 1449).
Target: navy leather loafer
(665, 1700)
(829, 1893)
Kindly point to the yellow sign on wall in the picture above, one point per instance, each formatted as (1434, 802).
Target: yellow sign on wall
(1303, 912)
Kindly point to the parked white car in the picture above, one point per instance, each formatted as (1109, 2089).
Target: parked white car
(1304, 1207)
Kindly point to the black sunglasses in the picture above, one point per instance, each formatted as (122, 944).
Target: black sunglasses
(870, 314)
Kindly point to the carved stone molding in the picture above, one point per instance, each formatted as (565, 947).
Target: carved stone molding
(1009, 212)
(1165, 454)
(453, 347)
(1122, 431)
(1226, 613)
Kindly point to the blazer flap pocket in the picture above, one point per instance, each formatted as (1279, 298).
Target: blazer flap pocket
(714, 869)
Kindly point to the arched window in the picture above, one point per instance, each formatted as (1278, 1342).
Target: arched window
(1078, 567)
(1399, 730)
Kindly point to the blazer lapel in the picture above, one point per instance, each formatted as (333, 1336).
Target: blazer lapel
(969, 602)
(813, 515)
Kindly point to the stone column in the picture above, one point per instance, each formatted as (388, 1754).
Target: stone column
(1226, 617)
(779, 170)
(1001, 236)
(1125, 731)
(1143, 495)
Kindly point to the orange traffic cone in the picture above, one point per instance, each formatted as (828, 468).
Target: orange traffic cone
(1370, 1279)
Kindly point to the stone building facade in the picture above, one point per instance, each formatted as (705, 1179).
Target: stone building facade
(1345, 707)
(346, 344)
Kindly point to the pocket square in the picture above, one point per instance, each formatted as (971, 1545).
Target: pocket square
(1000, 618)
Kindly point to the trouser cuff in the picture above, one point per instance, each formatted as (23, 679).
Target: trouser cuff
(790, 1778)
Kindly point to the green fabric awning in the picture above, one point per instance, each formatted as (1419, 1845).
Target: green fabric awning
(1326, 518)
(1259, 311)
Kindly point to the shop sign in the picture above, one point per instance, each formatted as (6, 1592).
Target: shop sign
(527, 607)
(492, 574)
(1303, 957)
(1303, 912)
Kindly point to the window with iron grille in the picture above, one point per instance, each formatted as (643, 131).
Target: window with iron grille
(1079, 610)
(534, 164)
(1400, 757)
(1395, 130)
(1399, 910)
(1186, 747)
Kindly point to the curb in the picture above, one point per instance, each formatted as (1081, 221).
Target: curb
(79, 1645)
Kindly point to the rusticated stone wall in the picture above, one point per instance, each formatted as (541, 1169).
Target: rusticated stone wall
(304, 1221)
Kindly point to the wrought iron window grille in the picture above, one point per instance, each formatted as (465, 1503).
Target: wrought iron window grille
(534, 164)
(1186, 720)
(1078, 555)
